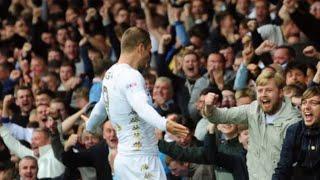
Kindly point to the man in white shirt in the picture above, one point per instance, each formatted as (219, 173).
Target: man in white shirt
(49, 166)
(129, 107)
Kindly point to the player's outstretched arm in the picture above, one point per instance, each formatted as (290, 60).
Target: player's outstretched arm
(138, 100)
(97, 116)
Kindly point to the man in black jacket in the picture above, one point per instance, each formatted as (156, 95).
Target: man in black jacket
(300, 154)
(96, 156)
(207, 154)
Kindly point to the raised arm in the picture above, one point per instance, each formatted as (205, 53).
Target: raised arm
(242, 74)
(241, 78)
(15, 130)
(56, 143)
(13, 144)
(73, 159)
(19, 132)
(235, 115)
(69, 122)
(149, 20)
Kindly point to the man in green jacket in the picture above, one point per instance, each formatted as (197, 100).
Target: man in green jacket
(268, 119)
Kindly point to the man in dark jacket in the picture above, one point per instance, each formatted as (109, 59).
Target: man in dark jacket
(96, 156)
(207, 154)
(300, 154)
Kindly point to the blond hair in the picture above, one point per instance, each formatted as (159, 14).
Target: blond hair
(132, 37)
(264, 78)
(187, 51)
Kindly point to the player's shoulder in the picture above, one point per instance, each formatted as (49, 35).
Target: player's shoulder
(126, 72)
(129, 72)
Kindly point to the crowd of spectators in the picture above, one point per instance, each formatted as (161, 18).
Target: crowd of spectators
(246, 55)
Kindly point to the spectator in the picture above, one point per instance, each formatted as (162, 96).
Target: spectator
(216, 77)
(28, 168)
(261, 12)
(270, 105)
(49, 166)
(186, 170)
(24, 102)
(96, 156)
(163, 97)
(301, 142)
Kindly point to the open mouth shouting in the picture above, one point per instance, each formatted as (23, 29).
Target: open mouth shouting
(308, 117)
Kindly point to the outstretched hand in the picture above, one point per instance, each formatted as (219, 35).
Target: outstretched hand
(175, 128)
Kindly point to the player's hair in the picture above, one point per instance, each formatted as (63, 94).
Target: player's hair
(132, 37)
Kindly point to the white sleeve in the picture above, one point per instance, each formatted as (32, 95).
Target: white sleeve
(137, 97)
(14, 145)
(19, 132)
(98, 115)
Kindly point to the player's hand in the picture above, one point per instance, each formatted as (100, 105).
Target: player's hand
(175, 128)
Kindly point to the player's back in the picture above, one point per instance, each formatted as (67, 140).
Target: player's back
(135, 135)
